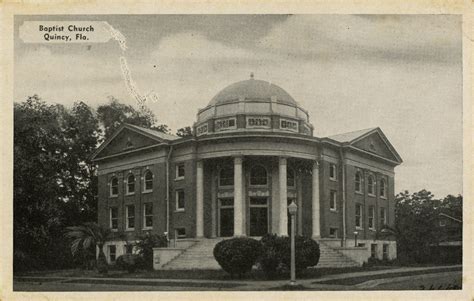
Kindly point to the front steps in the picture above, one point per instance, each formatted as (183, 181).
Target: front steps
(200, 257)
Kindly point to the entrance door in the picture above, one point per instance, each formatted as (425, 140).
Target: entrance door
(258, 216)
(226, 217)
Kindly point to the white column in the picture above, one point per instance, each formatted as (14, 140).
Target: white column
(283, 197)
(315, 202)
(238, 197)
(200, 200)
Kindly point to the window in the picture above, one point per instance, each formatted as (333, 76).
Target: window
(114, 186)
(385, 251)
(181, 233)
(114, 218)
(258, 175)
(179, 200)
(358, 182)
(333, 200)
(371, 185)
(373, 250)
(383, 189)
(130, 213)
(290, 178)
(112, 253)
(226, 176)
(358, 216)
(332, 172)
(148, 181)
(383, 217)
(131, 184)
(371, 217)
(333, 232)
(180, 171)
(147, 215)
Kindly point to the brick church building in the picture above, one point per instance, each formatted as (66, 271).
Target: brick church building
(251, 154)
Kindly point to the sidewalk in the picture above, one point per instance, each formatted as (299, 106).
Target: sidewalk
(329, 282)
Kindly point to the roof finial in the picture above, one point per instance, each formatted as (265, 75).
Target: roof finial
(251, 75)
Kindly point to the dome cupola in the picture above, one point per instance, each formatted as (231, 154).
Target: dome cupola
(253, 105)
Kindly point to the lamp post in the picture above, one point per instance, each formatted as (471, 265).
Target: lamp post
(292, 208)
(355, 235)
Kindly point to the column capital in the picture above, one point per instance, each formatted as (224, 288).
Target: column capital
(282, 159)
(316, 163)
(199, 163)
(238, 159)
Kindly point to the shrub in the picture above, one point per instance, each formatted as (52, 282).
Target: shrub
(236, 256)
(145, 247)
(129, 262)
(276, 257)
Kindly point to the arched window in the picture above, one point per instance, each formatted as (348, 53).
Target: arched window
(258, 175)
(290, 177)
(226, 176)
(148, 181)
(370, 185)
(131, 184)
(358, 182)
(383, 188)
(114, 186)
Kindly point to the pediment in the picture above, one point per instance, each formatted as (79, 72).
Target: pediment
(376, 143)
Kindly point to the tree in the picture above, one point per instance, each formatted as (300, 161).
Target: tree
(184, 132)
(113, 114)
(86, 236)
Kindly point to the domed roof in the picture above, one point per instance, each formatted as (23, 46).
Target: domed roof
(252, 89)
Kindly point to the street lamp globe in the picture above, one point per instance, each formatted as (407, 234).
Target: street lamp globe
(292, 208)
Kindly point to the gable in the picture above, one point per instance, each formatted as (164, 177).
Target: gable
(126, 140)
(374, 143)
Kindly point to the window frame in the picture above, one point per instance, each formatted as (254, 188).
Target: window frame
(145, 181)
(145, 216)
(333, 171)
(383, 188)
(371, 187)
(111, 194)
(335, 232)
(177, 207)
(266, 176)
(177, 176)
(109, 249)
(371, 217)
(128, 217)
(360, 216)
(288, 171)
(385, 251)
(127, 186)
(112, 219)
(373, 253)
(180, 235)
(360, 182)
(383, 217)
(333, 200)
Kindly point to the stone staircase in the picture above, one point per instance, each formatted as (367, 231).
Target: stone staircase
(200, 257)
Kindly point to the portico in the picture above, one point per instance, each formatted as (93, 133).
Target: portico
(249, 195)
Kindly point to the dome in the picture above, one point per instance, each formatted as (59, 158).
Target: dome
(252, 89)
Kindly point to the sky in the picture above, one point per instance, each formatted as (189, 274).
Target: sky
(402, 73)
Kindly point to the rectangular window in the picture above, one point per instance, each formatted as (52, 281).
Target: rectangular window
(385, 251)
(371, 217)
(332, 171)
(383, 217)
(358, 216)
(148, 215)
(113, 218)
(373, 250)
(112, 253)
(179, 200)
(180, 232)
(333, 232)
(333, 200)
(130, 213)
(180, 171)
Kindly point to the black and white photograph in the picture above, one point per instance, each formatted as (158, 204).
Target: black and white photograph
(237, 152)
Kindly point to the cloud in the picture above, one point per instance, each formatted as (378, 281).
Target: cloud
(383, 37)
